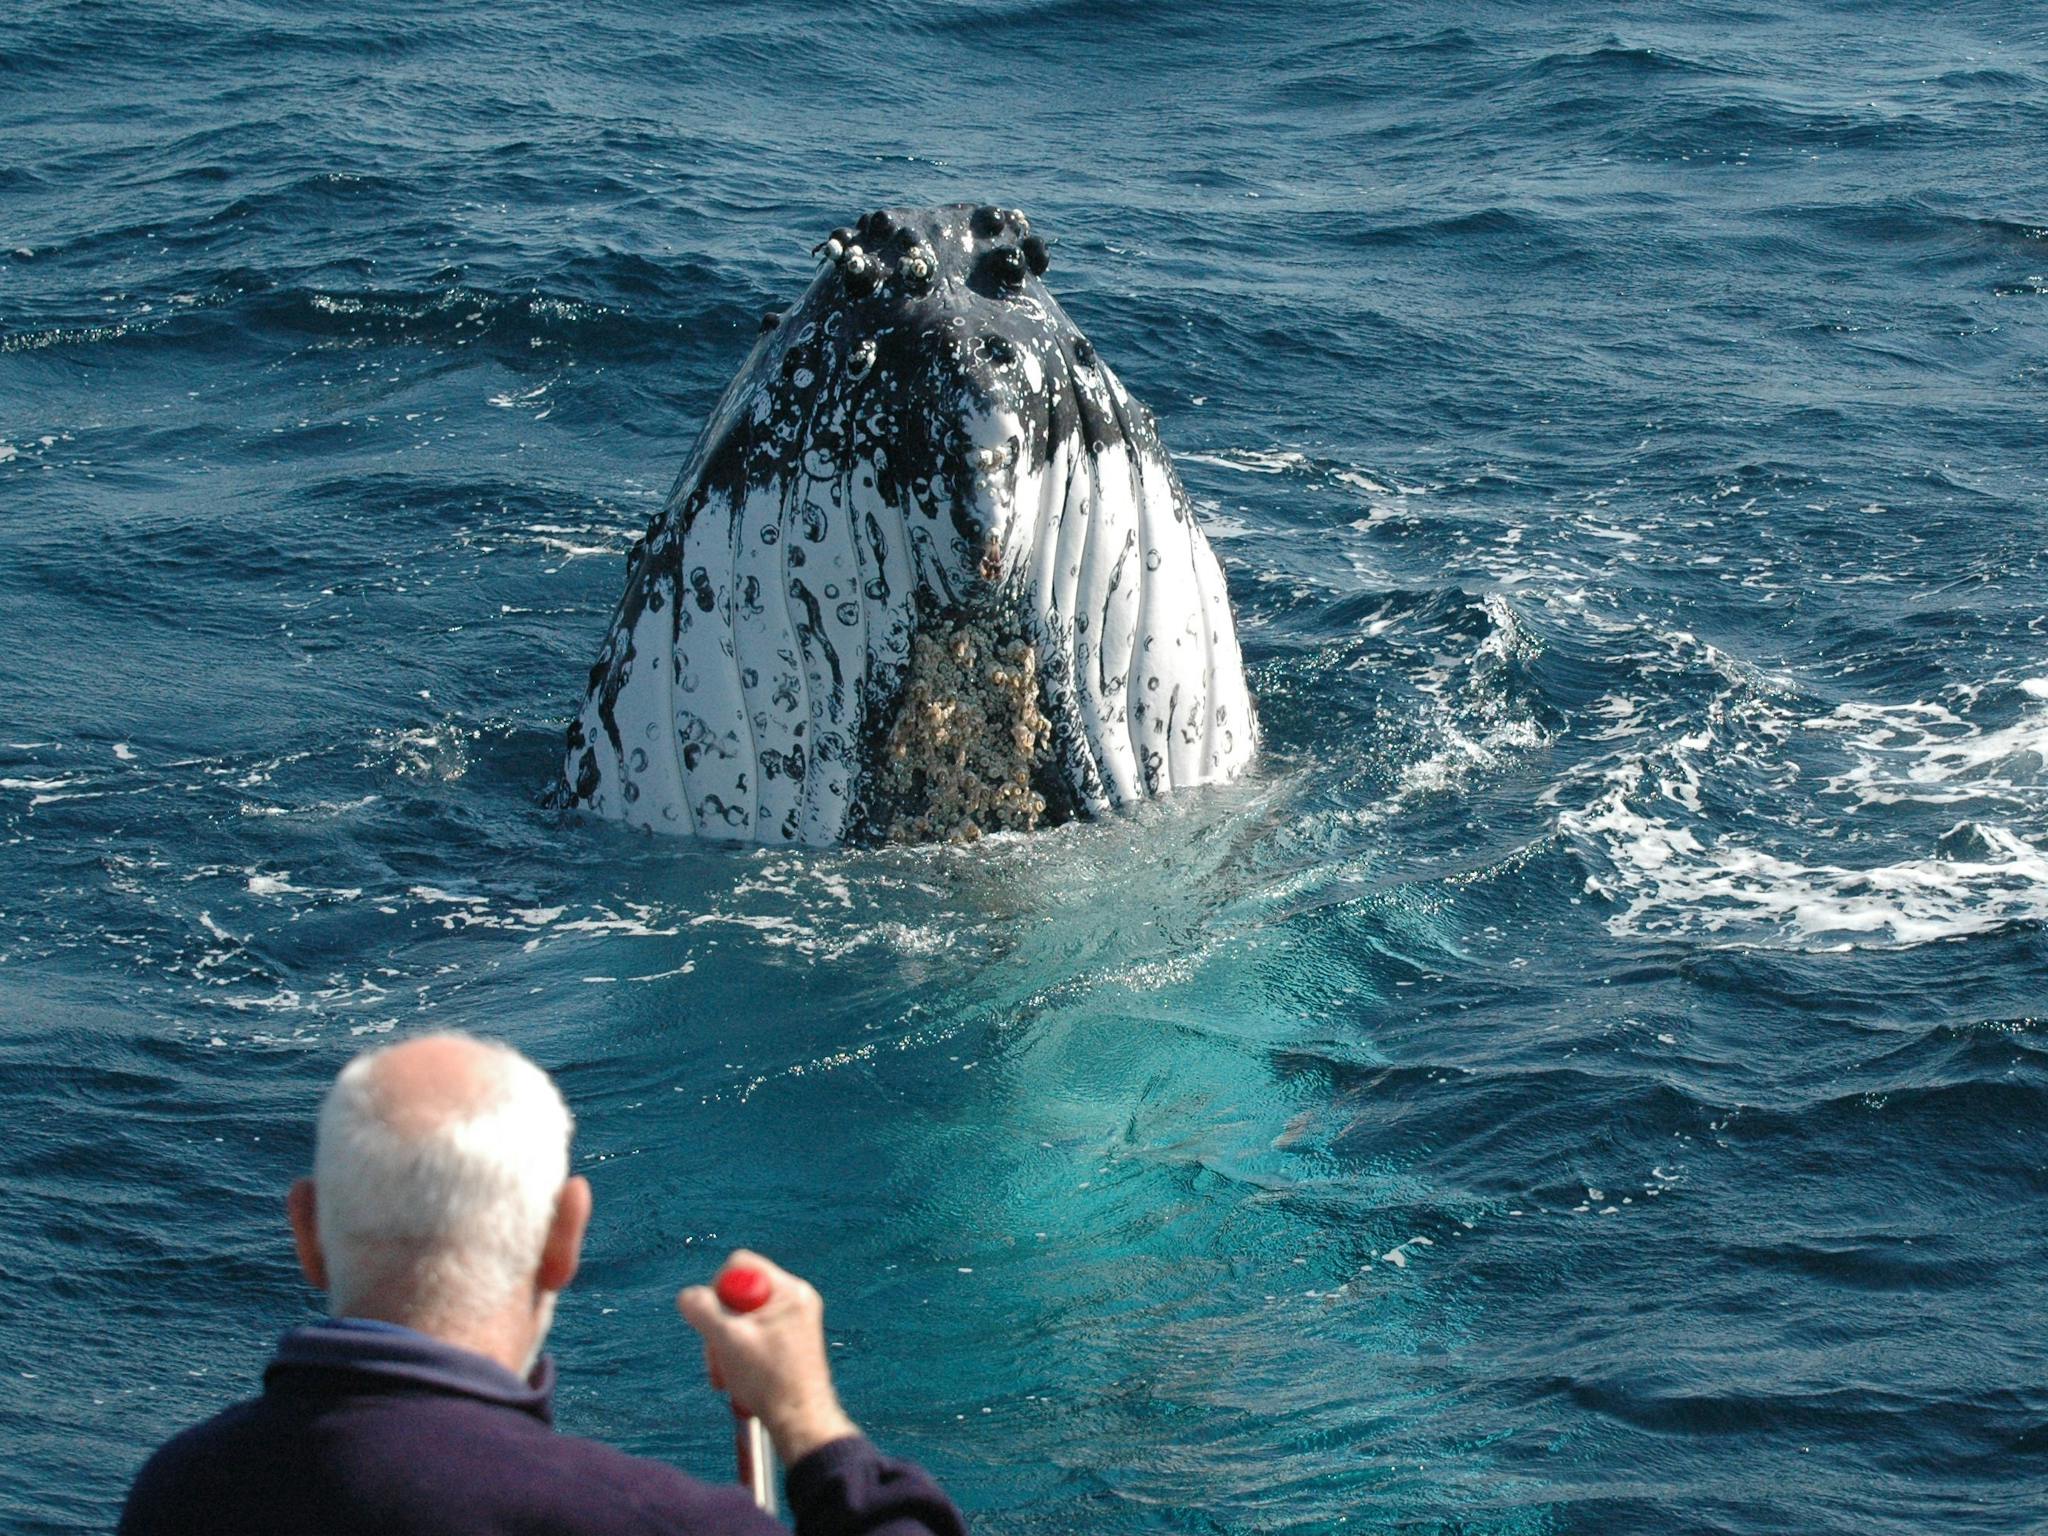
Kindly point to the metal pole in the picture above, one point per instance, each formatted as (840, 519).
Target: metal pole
(747, 1290)
(756, 1459)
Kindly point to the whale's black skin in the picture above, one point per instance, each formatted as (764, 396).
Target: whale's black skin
(927, 572)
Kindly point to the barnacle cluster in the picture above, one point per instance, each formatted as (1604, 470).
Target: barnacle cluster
(967, 735)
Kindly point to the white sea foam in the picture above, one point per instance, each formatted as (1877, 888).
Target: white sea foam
(567, 541)
(262, 884)
(434, 894)
(341, 997)
(1476, 728)
(1360, 481)
(1926, 754)
(311, 808)
(638, 922)
(428, 751)
(1248, 461)
(42, 786)
(1458, 756)
(1399, 1253)
(508, 400)
(1911, 902)
(1671, 830)
(1667, 878)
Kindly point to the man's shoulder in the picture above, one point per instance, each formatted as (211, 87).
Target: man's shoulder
(182, 1468)
(382, 1462)
(207, 1443)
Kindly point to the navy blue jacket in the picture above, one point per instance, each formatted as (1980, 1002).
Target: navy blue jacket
(371, 1428)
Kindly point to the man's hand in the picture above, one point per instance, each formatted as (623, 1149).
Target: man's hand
(772, 1360)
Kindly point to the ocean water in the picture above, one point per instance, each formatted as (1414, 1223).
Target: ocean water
(1592, 1077)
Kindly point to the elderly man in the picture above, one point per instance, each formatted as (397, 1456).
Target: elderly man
(442, 1222)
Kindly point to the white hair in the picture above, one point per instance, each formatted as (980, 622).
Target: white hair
(445, 1217)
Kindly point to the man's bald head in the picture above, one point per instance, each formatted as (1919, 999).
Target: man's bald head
(436, 1170)
(421, 1084)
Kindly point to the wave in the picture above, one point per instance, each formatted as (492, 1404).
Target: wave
(1619, 61)
(1061, 23)
(596, 306)
(1808, 1411)
(1372, 49)
(1909, 234)
(1479, 234)
(2002, 84)
(1666, 880)
(1879, 1261)
(1719, 130)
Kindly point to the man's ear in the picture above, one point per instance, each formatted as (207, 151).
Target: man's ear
(298, 1205)
(564, 1247)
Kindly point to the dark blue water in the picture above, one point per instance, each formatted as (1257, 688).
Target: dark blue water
(1592, 1078)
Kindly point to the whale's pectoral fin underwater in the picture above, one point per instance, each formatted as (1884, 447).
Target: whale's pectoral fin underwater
(927, 573)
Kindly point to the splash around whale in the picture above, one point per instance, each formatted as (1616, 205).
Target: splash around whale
(927, 573)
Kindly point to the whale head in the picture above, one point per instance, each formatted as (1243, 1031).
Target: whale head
(927, 573)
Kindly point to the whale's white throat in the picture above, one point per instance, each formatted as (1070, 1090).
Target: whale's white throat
(927, 573)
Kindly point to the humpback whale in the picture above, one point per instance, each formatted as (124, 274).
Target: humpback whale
(927, 573)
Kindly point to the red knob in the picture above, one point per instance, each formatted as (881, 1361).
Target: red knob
(743, 1290)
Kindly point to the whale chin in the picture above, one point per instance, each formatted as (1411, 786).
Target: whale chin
(927, 573)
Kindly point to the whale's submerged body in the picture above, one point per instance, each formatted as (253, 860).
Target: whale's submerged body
(927, 573)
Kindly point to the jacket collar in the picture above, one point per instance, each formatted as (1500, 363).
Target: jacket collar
(385, 1353)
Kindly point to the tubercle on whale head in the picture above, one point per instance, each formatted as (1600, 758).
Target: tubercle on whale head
(913, 251)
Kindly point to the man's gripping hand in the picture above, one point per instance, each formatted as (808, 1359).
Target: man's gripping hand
(772, 1360)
